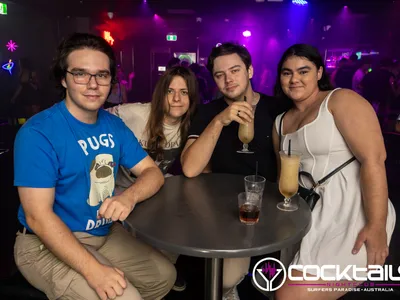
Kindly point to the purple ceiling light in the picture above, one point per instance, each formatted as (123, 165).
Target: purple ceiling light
(299, 2)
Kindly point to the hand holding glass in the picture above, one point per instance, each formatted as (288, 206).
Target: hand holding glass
(288, 180)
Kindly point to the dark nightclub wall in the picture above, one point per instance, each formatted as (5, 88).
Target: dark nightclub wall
(37, 36)
(139, 32)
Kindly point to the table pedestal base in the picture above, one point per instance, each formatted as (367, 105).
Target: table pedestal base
(213, 280)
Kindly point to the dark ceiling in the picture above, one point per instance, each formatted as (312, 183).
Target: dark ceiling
(133, 7)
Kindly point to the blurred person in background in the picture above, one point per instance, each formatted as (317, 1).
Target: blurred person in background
(358, 76)
(118, 94)
(378, 87)
(26, 99)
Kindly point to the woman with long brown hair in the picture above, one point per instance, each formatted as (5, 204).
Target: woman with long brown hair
(161, 126)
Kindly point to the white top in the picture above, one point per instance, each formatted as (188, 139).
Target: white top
(136, 116)
(338, 216)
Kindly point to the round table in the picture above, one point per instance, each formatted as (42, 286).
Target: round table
(200, 217)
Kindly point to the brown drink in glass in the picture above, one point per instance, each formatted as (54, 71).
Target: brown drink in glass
(249, 208)
(249, 213)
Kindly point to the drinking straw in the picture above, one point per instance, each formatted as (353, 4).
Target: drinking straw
(256, 168)
(290, 147)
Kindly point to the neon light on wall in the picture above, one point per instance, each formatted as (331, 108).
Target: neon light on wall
(172, 37)
(107, 36)
(12, 46)
(8, 66)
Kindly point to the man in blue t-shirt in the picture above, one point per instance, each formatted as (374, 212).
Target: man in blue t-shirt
(66, 159)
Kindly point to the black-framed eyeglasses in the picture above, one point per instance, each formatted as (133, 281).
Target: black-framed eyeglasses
(81, 77)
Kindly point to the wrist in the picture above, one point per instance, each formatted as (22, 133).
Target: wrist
(91, 268)
(376, 225)
(218, 121)
(129, 197)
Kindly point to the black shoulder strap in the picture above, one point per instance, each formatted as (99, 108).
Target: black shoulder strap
(280, 130)
(336, 170)
(308, 174)
(321, 181)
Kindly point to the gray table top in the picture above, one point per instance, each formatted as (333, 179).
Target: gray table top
(200, 217)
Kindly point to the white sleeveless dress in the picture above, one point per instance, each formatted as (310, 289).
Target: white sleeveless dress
(338, 216)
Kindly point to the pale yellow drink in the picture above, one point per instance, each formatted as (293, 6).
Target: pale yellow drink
(288, 180)
(246, 132)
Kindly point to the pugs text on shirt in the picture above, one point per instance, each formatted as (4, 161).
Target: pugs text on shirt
(105, 140)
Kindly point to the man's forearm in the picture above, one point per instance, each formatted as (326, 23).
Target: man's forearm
(198, 155)
(59, 239)
(375, 193)
(146, 185)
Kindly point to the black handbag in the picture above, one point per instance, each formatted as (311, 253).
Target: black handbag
(310, 195)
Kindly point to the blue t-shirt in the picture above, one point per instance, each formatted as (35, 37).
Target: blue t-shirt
(55, 150)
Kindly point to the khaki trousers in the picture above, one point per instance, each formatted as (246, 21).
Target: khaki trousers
(149, 274)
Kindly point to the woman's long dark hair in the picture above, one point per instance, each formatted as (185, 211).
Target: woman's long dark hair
(306, 51)
(155, 124)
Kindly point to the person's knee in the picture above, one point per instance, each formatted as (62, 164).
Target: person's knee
(232, 279)
(287, 292)
(234, 270)
(159, 280)
(79, 289)
(130, 293)
(281, 294)
(167, 275)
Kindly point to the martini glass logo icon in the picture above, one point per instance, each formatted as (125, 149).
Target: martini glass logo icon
(266, 272)
(8, 66)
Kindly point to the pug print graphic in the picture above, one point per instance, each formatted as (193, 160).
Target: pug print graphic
(102, 180)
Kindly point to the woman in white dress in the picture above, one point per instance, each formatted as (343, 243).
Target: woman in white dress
(353, 221)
